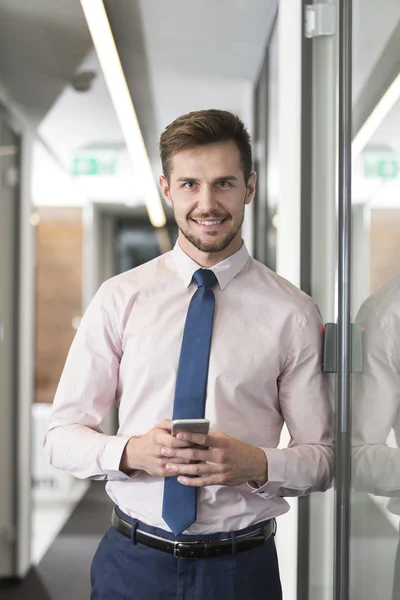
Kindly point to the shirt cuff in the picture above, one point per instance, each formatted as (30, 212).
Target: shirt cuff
(276, 473)
(111, 458)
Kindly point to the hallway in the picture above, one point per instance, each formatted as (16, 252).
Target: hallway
(73, 548)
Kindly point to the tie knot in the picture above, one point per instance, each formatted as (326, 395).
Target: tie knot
(205, 277)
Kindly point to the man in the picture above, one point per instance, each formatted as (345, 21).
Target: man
(257, 363)
(376, 412)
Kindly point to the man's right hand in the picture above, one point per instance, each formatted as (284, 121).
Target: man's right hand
(143, 453)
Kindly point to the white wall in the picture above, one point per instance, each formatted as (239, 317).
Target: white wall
(289, 119)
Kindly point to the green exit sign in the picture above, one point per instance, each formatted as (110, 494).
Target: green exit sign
(380, 165)
(94, 164)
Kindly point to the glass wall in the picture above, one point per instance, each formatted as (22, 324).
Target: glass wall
(354, 530)
(375, 498)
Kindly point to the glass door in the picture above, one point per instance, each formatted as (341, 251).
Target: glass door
(375, 493)
(355, 279)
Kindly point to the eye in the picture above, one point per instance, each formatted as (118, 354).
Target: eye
(189, 185)
(224, 184)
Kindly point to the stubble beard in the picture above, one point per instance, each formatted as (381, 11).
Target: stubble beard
(210, 247)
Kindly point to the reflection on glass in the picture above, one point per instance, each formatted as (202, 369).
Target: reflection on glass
(376, 429)
(375, 569)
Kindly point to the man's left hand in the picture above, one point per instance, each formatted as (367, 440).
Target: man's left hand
(220, 460)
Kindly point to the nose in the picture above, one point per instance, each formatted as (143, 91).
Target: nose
(207, 200)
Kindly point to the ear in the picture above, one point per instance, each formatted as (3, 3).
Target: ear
(165, 190)
(251, 187)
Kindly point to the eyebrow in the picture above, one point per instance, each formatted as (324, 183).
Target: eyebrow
(224, 178)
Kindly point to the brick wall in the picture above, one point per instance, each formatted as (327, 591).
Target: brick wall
(385, 246)
(58, 293)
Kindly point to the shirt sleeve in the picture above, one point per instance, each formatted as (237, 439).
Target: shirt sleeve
(305, 397)
(74, 441)
(376, 403)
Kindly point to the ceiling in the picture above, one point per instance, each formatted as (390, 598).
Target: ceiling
(373, 24)
(376, 61)
(209, 39)
(177, 56)
(41, 45)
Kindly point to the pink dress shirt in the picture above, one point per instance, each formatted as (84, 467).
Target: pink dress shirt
(376, 397)
(265, 368)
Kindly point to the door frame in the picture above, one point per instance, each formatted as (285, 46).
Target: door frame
(16, 528)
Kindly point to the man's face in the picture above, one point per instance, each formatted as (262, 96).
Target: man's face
(208, 193)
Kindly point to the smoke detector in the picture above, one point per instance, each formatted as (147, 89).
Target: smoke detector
(83, 80)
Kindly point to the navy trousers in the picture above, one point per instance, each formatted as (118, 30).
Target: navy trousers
(122, 570)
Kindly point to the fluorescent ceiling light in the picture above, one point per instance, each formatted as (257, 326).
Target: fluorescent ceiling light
(107, 53)
(381, 110)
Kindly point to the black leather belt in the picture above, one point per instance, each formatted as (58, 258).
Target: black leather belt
(196, 550)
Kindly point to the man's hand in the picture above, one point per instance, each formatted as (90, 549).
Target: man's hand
(143, 452)
(222, 460)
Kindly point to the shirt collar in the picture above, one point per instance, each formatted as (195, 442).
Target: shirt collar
(224, 271)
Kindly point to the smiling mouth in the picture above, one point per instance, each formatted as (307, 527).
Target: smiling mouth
(209, 222)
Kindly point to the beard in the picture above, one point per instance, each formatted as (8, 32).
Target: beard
(211, 246)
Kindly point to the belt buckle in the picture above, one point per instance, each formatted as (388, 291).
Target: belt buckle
(178, 546)
(274, 528)
(177, 549)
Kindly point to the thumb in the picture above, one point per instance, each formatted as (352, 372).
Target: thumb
(166, 424)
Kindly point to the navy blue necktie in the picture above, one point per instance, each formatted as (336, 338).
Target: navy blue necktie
(180, 501)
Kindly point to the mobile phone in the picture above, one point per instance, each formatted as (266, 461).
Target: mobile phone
(190, 426)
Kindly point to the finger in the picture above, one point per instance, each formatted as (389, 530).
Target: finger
(165, 439)
(197, 470)
(166, 424)
(200, 481)
(164, 472)
(179, 461)
(210, 440)
(187, 453)
(200, 439)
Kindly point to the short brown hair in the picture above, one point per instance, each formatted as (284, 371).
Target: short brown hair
(203, 127)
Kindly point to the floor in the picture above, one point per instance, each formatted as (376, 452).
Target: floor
(49, 515)
(63, 572)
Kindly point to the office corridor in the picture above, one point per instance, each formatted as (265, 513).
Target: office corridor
(63, 573)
